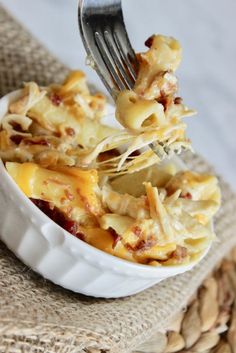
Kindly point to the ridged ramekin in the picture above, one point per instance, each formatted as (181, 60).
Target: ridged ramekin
(62, 258)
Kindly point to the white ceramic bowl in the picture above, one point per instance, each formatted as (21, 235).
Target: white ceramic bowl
(62, 258)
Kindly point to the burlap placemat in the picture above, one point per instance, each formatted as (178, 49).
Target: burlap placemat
(37, 316)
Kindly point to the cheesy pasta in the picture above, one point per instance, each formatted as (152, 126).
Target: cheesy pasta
(104, 185)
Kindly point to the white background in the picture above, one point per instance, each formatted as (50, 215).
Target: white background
(206, 30)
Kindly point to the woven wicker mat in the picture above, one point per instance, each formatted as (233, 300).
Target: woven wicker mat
(37, 316)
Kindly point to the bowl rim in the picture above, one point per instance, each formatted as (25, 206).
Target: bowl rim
(70, 238)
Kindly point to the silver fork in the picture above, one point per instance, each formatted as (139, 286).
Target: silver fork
(107, 44)
(108, 47)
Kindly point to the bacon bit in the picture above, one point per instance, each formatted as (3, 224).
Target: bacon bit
(69, 196)
(169, 191)
(57, 134)
(55, 99)
(141, 245)
(187, 196)
(16, 139)
(137, 231)
(104, 156)
(149, 243)
(80, 235)
(135, 153)
(56, 215)
(149, 41)
(180, 253)
(71, 227)
(146, 202)
(16, 126)
(116, 237)
(69, 131)
(40, 203)
(130, 248)
(178, 100)
(164, 100)
(141, 59)
(41, 142)
(51, 204)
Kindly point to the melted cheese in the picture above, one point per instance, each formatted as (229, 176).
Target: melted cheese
(156, 252)
(104, 240)
(23, 175)
(71, 190)
(59, 119)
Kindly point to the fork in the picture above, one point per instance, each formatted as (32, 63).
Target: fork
(108, 48)
(107, 44)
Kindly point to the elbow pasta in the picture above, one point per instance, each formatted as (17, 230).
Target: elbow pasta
(136, 113)
(103, 185)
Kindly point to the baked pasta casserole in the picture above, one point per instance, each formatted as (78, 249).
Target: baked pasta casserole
(104, 185)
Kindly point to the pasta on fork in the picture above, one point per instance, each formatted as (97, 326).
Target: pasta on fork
(151, 113)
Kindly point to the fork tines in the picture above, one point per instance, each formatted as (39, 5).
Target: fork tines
(107, 44)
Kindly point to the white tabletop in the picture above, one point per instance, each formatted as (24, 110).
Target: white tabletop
(206, 29)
